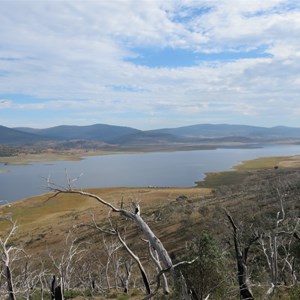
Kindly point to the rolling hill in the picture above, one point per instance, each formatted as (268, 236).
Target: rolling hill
(226, 130)
(10, 136)
(127, 136)
(97, 132)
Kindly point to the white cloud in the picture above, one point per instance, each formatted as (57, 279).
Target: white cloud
(73, 54)
(5, 103)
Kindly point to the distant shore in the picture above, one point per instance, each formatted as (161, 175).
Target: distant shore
(241, 171)
(79, 154)
(24, 159)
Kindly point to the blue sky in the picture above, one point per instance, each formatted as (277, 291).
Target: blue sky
(149, 63)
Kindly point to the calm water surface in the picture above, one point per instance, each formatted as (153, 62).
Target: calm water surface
(164, 169)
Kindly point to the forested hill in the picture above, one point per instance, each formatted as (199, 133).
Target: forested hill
(16, 137)
(121, 135)
(226, 130)
(98, 132)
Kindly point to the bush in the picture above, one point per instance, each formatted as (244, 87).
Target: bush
(72, 294)
(123, 297)
(295, 292)
(203, 277)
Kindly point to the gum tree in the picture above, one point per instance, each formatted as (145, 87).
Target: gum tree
(134, 215)
(8, 254)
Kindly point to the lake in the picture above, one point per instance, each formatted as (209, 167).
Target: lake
(162, 169)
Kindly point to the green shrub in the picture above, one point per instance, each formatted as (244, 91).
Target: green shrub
(74, 293)
(295, 292)
(203, 274)
(123, 297)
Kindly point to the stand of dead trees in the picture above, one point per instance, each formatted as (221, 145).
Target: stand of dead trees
(158, 252)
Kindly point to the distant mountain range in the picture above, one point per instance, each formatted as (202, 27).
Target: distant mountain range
(97, 132)
(120, 135)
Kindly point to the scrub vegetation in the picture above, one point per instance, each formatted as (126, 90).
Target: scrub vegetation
(235, 236)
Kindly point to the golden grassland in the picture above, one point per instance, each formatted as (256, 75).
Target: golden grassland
(43, 210)
(270, 162)
(44, 220)
(50, 217)
(241, 171)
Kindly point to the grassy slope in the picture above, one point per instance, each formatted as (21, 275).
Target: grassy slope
(43, 220)
(42, 215)
(50, 218)
(240, 172)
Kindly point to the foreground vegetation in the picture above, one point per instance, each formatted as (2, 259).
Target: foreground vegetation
(247, 219)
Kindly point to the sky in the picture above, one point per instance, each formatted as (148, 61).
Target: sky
(149, 63)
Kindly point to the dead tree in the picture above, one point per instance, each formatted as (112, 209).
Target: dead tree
(241, 256)
(7, 256)
(135, 216)
(28, 278)
(111, 249)
(65, 264)
(280, 236)
(128, 272)
(121, 242)
(156, 261)
(56, 292)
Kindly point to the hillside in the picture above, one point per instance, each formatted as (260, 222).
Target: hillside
(10, 136)
(226, 130)
(200, 133)
(177, 216)
(97, 132)
(26, 145)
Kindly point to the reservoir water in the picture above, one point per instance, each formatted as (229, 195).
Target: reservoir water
(161, 169)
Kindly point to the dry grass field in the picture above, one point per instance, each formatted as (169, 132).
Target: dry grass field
(46, 218)
(174, 214)
(43, 220)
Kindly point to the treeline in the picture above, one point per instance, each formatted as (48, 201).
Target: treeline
(242, 243)
(56, 147)
(8, 151)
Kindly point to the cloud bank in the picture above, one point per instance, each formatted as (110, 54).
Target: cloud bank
(149, 63)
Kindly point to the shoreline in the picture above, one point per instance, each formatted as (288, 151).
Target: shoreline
(211, 179)
(237, 173)
(76, 155)
(26, 159)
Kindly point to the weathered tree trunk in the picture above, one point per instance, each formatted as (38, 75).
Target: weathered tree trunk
(6, 258)
(245, 292)
(10, 288)
(52, 288)
(184, 288)
(241, 254)
(128, 267)
(58, 293)
(136, 258)
(156, 261)
(156, 244)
